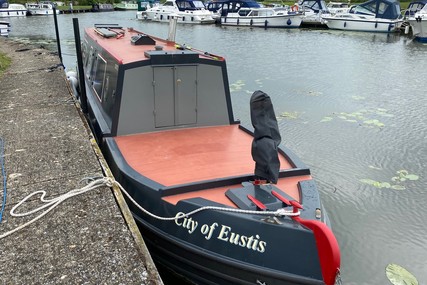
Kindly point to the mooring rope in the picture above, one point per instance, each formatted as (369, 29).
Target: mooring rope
(96, 182)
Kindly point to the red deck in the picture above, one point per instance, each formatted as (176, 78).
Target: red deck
(183, 156)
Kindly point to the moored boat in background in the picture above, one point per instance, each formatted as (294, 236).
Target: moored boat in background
(40, 8)
(4, 28)
(143, 5)
(314, 10)
(126, 5)
(186, 11)
(11, 9)
(416, 17)
(216, 202)
(381, 16)
(263, 17)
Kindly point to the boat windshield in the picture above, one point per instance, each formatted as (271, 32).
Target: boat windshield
(199, 4)
(314, 5)
(190, 5)
(366, 9)
(414, 7)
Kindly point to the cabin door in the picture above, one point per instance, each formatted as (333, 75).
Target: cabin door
(175, 95)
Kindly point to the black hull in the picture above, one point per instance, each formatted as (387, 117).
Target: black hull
(200, 267)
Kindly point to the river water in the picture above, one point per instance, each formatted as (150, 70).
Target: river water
(351, 105)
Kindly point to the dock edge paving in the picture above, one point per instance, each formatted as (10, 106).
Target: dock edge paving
(87, 239)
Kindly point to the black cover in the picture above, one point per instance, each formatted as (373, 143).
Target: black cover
(266, 137)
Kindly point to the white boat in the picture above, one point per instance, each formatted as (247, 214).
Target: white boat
(187, 12)
(4, 28)
(263, 17)
(313, 10)
(338, 7)
(372, 16)
(143, 6)
(417, 19)
(11, 10)
(40, 8)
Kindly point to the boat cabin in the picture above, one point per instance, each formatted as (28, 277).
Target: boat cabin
(231, 6)
(385, 9)
(144, 84)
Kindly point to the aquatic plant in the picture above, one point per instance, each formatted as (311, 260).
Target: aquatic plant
(289, 115)
(396, 181)
(399, 275)
(237, 86)
(361, 117)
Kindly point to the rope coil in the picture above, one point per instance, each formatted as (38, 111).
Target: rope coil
(96, 182)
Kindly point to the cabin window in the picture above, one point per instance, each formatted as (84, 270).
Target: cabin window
(99, 68)
(91, 56)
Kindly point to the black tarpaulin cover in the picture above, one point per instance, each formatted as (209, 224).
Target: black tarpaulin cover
(266, 137)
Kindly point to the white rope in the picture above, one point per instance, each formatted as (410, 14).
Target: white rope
(279, 212)
(97, 182)
(52, 203)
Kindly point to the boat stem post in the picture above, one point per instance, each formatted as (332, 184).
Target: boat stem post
(82, 86)
(58, 42)
(172, 28)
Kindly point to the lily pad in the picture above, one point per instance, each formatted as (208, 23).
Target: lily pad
(289, 115)
(398, 187)
(326, 119)
(368, 181)
(399, 275)
(412, 177)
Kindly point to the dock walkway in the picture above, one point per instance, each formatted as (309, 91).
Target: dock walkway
(47, 146)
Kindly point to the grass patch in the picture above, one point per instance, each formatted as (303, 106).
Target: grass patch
(4, 63)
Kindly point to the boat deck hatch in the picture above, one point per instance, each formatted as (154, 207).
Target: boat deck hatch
(262, 193)
(142, 40)
(172, 57)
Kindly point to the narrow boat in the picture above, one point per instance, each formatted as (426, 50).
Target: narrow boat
(12, 10)
(417, 19)
(216, 202)
(372, 16)
(4, 28)
(102, 7)
(263, 17)
(126, 5)
(186, 11)
(40, 8)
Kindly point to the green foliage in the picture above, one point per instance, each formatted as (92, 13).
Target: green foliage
(4, 63)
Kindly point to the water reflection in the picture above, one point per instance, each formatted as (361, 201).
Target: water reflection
(312, 75)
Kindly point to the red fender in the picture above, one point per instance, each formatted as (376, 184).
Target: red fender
(327, 247)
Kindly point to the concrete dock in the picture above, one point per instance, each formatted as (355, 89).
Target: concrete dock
(87, 239)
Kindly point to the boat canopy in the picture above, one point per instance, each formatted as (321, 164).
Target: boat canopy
(414, 7)
(231, 6)
(385, 9)
(184, 5)
(315, 5)
(4, 4)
